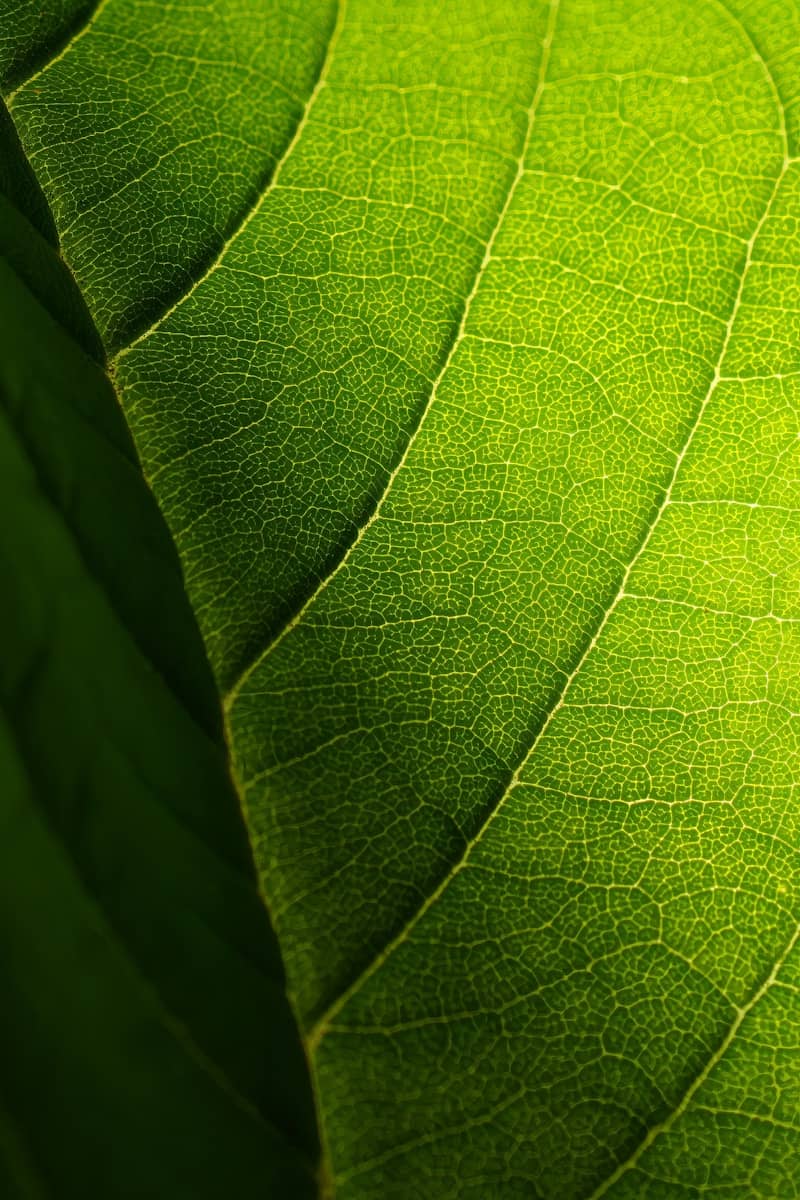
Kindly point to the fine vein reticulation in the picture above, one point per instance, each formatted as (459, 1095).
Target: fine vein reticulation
(79, 19)
(270, 181)
(230, 697)
(595, 635)
(478, 439)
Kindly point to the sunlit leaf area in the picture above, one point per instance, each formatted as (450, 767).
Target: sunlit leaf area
(400, 599)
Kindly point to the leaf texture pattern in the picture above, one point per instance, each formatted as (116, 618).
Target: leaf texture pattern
(470, 398)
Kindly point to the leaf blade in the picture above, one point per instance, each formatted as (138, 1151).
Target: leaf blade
(614, 915)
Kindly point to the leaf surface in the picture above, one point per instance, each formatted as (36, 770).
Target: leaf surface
(471, 401)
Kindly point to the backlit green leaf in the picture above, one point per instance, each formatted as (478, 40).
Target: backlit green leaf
(460, 345)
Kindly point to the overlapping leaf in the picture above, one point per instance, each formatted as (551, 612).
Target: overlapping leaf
(147, 1045)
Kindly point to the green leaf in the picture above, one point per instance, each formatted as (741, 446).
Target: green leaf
(147, 1045)
(460, 347)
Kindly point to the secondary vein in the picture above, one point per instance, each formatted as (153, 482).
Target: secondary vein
(318, 1030)
(72, 41)
(680, 1108)
(230, 697)
(263, 192)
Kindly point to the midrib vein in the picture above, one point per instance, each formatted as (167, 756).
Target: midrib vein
(264, 191)
(741, 1015)
(317, 1031)
(230, 698)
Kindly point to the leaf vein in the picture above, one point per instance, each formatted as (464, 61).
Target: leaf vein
(702, 1076)
(264, 189)
(74, 36)
(320, 1026)
(230, 697)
